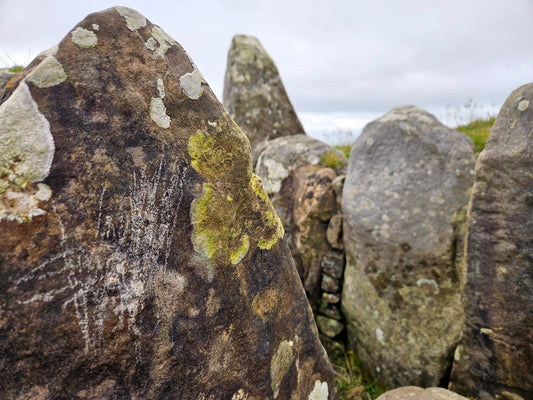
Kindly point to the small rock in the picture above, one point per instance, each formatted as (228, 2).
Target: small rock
(329, 327)
(334, 232)
(417, 393)
(329, 284)
(333, 264)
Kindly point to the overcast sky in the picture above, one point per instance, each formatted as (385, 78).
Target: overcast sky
(343, 62)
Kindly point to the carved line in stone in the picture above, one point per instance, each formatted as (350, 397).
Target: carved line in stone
(127, 266)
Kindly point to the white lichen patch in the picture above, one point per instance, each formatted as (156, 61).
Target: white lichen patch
(523, 105)
(23, 206)
(48, 73)
(429, 282)
(25, 137)
(276, 172)
(379, 335)
(161, 88)
(151, 44)
(158, 111)
(191, 83)
(96, 27)
(134, 20)
(320, 391)
(84, 38)
(163, 39)
(240, 395)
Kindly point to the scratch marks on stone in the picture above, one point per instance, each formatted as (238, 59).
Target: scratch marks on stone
(114, 276)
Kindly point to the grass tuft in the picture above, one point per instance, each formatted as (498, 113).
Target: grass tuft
(16, 68)
(479, 131)
(352, 381)
(331, 159)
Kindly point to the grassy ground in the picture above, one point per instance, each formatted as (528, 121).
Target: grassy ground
(479, 131)
(351, 379)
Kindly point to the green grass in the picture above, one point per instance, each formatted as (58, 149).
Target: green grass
(479, 131)
(331, 160)
(345, 148)
(352, 381)
(16, 68)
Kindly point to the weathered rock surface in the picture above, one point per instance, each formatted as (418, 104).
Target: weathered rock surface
(417, 393)
(300, 184)
(139, 255)
(404, 200)
(254, 94)
(495, 355)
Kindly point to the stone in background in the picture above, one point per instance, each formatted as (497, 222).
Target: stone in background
(405, 195)
(254, 94)
(139, 254)
(495, 356)
(305, 193)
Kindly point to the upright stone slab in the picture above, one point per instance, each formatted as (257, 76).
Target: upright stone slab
(139, 255)
(404, 202)
(495, 356)
(254, 94)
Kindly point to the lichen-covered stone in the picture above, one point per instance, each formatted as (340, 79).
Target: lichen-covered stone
(254, 94)
(418, 393)
(494, 358)
(140, 257)
(300, 187)
(406, 189)
(328, 326)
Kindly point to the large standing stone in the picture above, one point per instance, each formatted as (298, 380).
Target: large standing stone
(495, 355)
(139, 255)
(404, 201)
(254, 94)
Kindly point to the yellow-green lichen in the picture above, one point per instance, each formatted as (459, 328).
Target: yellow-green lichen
(238, 255)
(233, 213)
(280, 365)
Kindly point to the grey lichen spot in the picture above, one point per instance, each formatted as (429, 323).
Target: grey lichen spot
(96, 27)
(429, 282)
(163, 39)
(191, 84)
(158, 112)
(161, 88)
(276, 172)
(134, 20)
(523, 105)
(48, 73)
(151, 44)
(320, 391)
(281, 362)
(84, 38)
(25, 137)
(379, 335)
